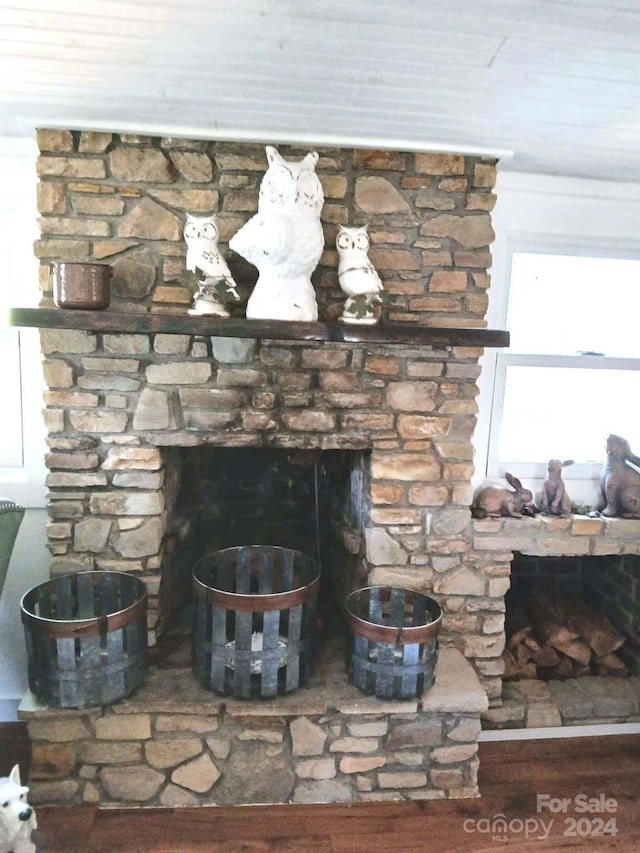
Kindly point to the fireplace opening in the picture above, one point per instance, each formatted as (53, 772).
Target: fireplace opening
(312, 501)
(571, 617)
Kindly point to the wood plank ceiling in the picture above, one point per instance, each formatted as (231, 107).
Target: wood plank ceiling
(551, 86)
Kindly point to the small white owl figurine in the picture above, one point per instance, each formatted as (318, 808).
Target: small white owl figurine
(216, 285)
(357, 276)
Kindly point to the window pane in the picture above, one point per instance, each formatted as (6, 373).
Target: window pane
(566, 412)
(565, 304)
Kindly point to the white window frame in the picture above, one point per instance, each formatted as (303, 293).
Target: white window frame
(505, 359)
(581, 470)
(547, 215)
(22, 473)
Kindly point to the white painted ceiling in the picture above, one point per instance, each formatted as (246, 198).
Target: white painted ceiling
(550, 86)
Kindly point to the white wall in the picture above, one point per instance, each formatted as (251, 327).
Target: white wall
(29, 566)
(542, 212)
(22, 481)
(22, 473)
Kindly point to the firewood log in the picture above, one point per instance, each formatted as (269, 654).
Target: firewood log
(611, 665)
(574, 649)
(564, 668)
(510, 665)
(605, 671)
(514, 670)
(547, 673)
(531, 643)
(581, 619)
(548, 622)
(594, 627)
(519, 637)
(546, 656)
(522, 654)
(529, 670)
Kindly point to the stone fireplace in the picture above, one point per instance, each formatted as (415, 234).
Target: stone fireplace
(142, 398)
(119, 404)
(136, 394)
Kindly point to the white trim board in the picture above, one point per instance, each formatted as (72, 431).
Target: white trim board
(558, 732)
(236, 134)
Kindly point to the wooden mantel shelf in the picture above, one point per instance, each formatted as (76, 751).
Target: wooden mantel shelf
(239, 327)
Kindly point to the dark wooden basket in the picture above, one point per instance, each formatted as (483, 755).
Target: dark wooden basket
(395, 641)
(255, 620)
(86, 636)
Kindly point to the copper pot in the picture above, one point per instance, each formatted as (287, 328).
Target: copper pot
(80, 285)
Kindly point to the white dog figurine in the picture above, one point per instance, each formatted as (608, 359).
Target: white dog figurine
(17, 818)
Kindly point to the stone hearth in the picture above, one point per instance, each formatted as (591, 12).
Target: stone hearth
(175, 744)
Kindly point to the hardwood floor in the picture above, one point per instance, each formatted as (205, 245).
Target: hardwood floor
(511, 775)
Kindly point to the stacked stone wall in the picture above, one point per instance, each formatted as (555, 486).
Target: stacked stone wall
(184, 747)
(111, 416)
(122, 199)
(221, 759)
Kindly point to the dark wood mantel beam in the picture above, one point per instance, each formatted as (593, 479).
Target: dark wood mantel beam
(239, 327)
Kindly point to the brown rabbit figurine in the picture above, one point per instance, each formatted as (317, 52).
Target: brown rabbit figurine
(620, 480)
(494, 501)
(554, 499)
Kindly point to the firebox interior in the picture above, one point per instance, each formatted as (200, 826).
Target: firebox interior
(309, 500)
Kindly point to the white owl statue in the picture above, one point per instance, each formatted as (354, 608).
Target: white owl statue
(357, 276)
(284, 240)
(216, 286)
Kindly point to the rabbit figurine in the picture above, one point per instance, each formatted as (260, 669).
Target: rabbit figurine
(620, 480)
(495, 501)
(554, 499)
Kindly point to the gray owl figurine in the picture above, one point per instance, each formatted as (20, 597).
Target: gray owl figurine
(357, 276)
(216, 285)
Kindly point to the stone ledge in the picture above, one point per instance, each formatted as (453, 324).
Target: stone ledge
(551, 536)
(176, 691)
(575, 702)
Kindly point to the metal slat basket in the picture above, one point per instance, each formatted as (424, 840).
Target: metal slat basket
(86, 636)
(395, 641)
(255, 620)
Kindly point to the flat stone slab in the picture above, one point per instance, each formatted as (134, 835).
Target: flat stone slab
(457, 687)
(509, 715)
(576, 701)
(173, 689)
(572, 702)
(611, 697)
